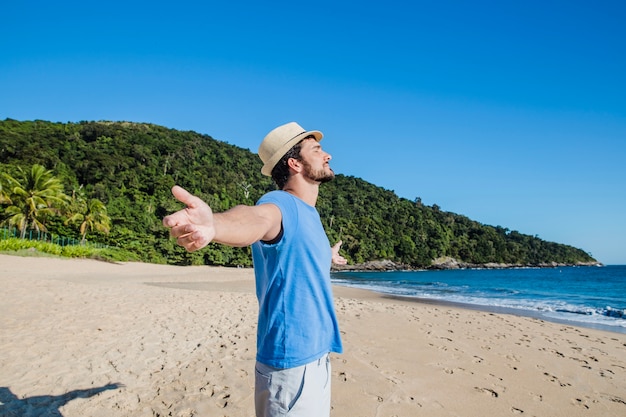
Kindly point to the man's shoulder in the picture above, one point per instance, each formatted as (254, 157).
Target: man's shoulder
(276, 196)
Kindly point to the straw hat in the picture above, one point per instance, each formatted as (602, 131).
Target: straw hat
(278, 142)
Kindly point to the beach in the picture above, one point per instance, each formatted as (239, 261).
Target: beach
(90, 338)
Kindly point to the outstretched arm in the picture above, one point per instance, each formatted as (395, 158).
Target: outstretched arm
(196, 225)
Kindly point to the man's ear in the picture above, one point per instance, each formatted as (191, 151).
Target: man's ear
(294, 164)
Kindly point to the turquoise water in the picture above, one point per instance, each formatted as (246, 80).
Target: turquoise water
(587, 296)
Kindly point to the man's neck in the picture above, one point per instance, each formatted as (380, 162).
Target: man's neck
(307, 192)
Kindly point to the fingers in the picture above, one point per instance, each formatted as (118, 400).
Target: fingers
(180, 230)
(191, 241)
(173, 219)
(191, 226)
(339, 260)
(184, 196)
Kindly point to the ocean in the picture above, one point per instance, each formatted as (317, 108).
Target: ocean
(588, 296)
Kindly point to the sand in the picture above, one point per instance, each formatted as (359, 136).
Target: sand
(88, 338)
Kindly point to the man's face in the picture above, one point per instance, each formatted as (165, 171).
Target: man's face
(315, 162)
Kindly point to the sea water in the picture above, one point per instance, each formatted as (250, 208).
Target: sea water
(588, 296)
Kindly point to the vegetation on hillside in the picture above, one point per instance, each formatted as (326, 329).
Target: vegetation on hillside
(112, 184)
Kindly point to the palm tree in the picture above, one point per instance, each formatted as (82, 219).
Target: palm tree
(4, 195)
(91, 214)
(32, 198)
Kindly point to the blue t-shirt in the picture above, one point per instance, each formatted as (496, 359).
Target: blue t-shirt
(297, 321)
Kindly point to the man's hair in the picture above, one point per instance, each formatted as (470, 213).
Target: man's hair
(280, 172)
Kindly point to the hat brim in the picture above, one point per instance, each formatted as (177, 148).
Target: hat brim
(271, 163)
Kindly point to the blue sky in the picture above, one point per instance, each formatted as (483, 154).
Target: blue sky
(511, 113)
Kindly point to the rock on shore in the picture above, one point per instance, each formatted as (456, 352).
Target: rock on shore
(447, 262)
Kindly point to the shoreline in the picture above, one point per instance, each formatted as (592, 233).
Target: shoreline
(510, 311)
(83, 337)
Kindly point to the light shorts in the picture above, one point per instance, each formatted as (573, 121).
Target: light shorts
(303, 391)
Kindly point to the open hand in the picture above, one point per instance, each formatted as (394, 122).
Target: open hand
(192, 226)
(336, 258)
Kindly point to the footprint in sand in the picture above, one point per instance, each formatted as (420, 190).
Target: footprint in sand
(581, 403)
(222, 396)
(487, 391)
(617, 400)
(553, 378)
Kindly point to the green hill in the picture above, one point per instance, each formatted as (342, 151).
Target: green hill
(130, 167)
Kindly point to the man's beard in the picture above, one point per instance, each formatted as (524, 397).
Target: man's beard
(319, 175)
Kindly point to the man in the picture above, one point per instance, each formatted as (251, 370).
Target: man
(297, 326)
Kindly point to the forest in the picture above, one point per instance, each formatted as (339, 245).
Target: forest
(109, 182)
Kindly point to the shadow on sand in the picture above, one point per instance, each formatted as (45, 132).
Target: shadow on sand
(44, 405)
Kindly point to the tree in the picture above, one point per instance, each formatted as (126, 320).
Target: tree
(4, 195)
(90, 214)
(32, 198)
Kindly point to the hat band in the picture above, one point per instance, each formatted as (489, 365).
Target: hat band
(304, 131)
